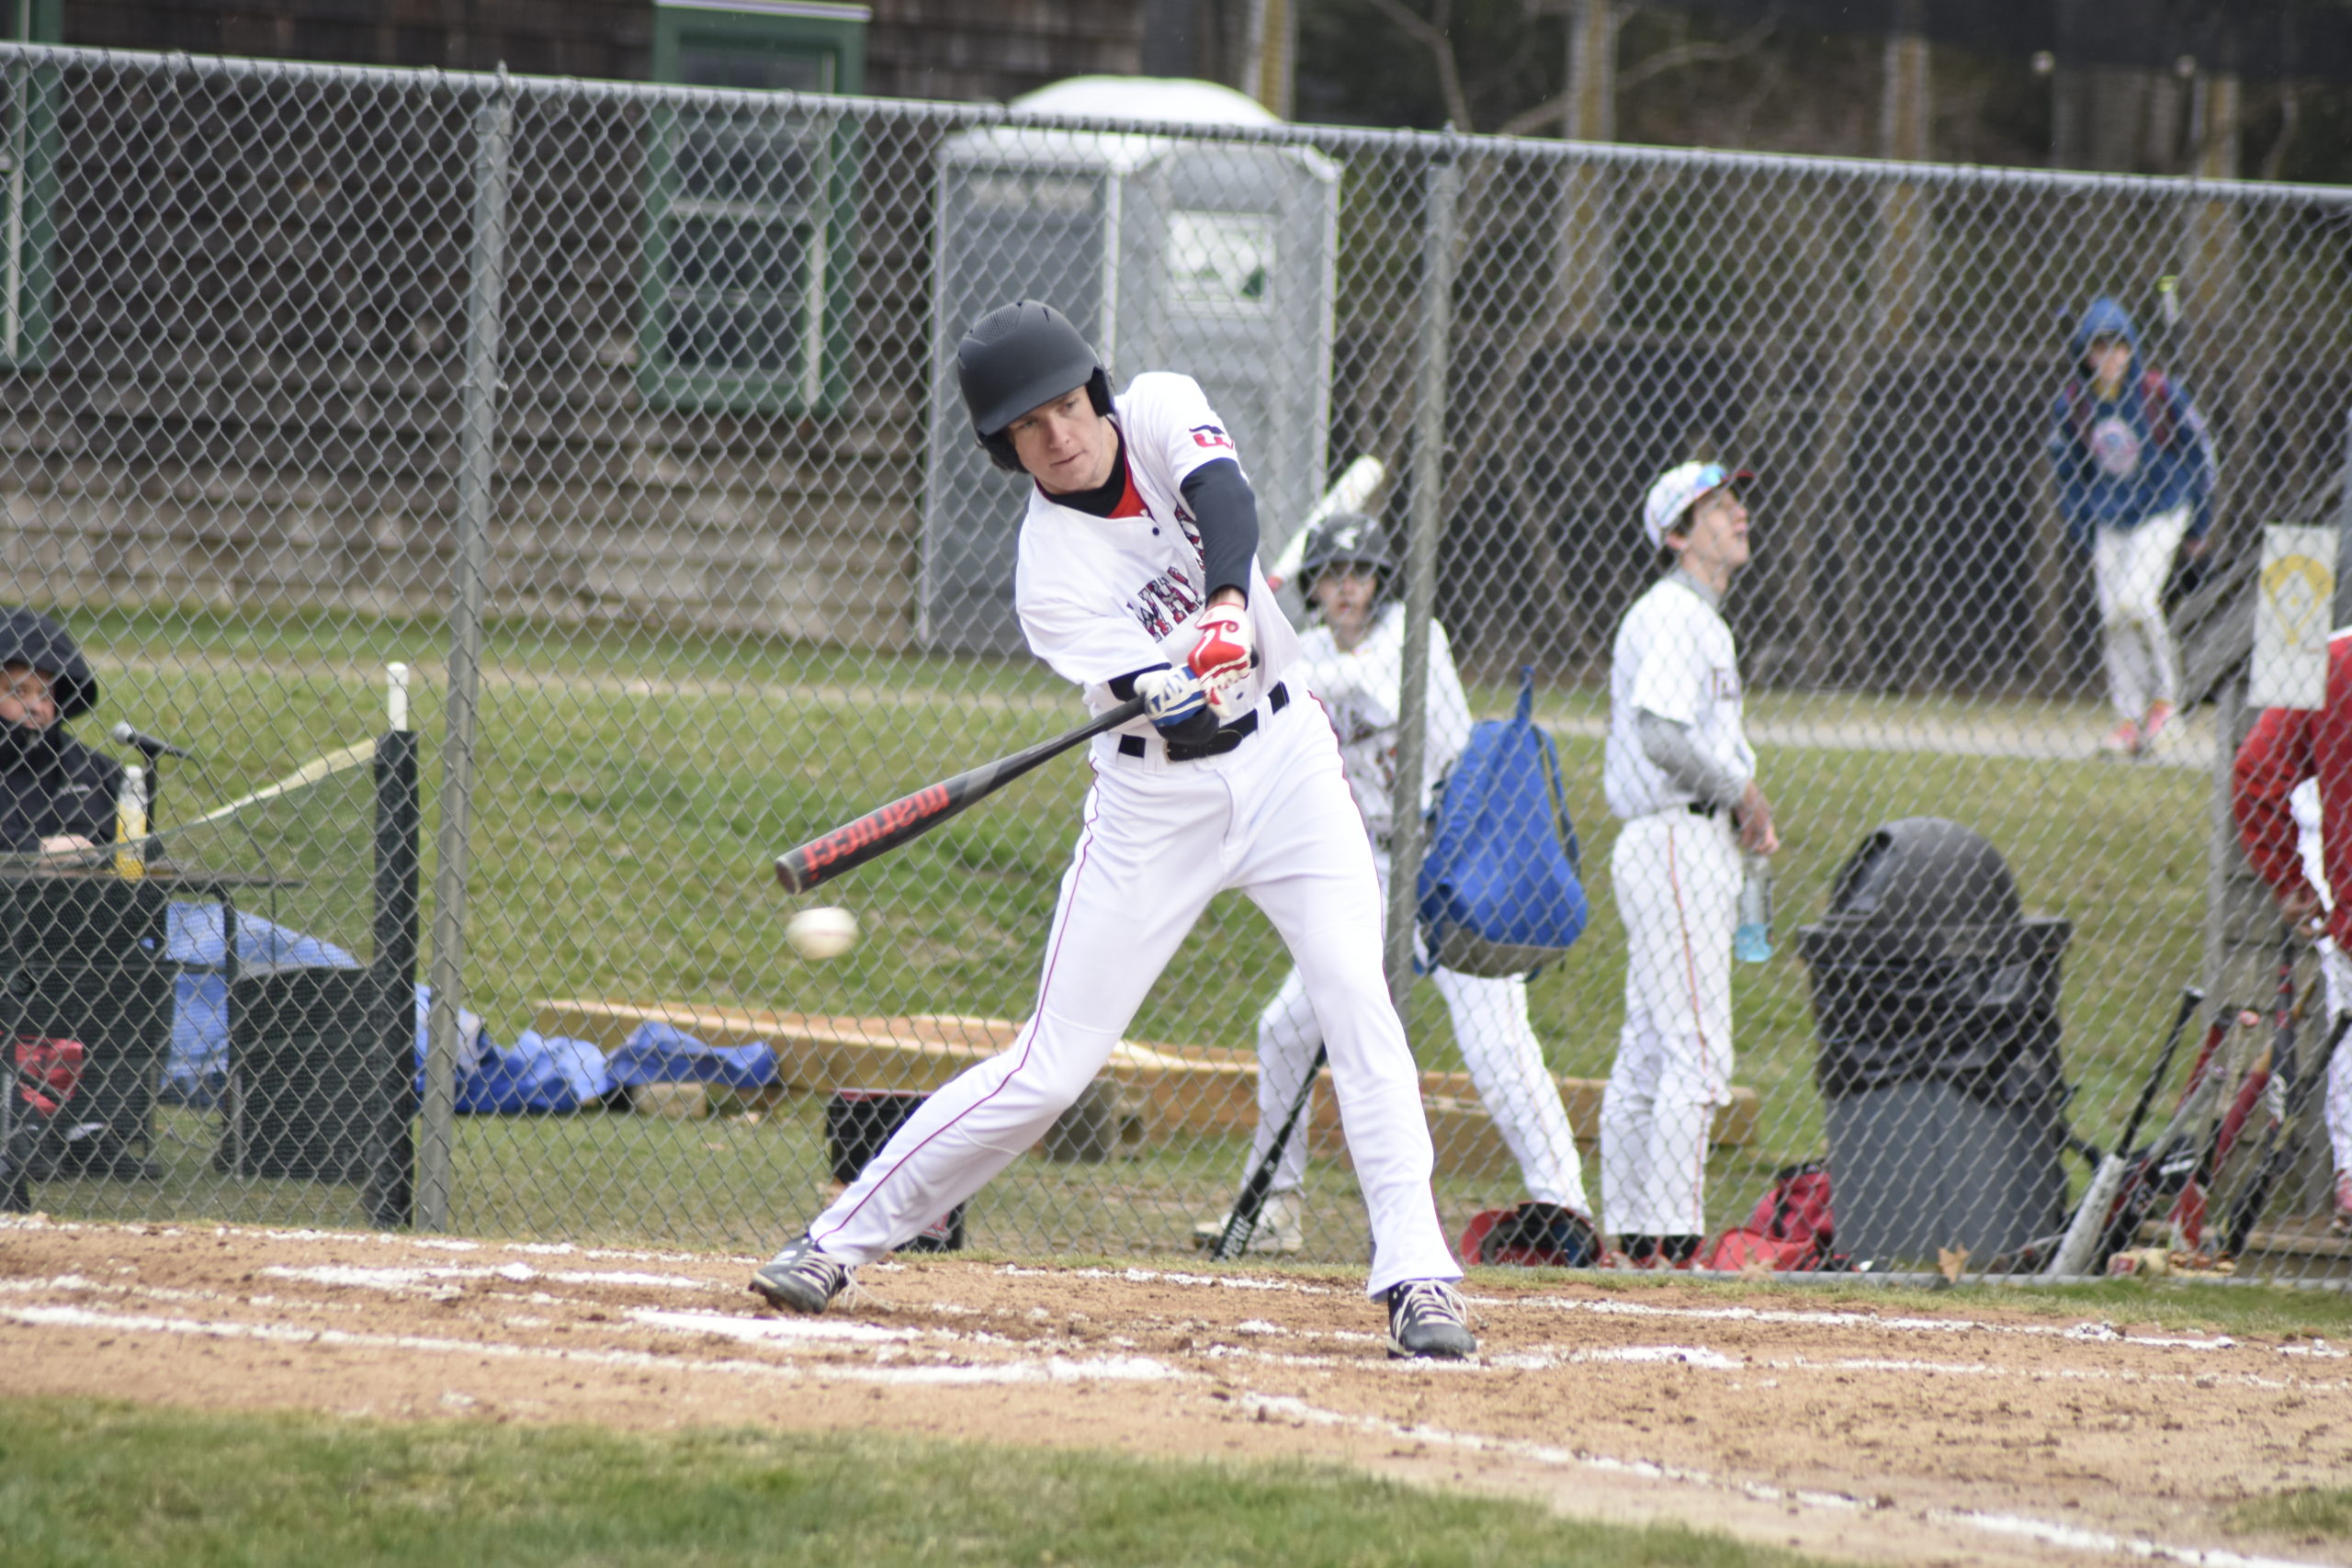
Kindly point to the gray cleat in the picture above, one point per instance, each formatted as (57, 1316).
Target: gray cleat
(1426, 1320)
(800, 1279)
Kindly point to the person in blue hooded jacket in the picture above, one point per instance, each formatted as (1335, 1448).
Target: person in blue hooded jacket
(2135, 485)
(56, 794)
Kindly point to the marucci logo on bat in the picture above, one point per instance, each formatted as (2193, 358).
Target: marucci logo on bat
(875, 826)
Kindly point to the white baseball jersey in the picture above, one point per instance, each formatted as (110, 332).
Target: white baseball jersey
(1674, 656)
(1101, 597)
(1362, 691)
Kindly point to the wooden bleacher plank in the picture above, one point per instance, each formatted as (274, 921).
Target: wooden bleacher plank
(1176, 1089)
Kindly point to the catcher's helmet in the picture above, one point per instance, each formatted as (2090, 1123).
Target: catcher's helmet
(1346, 538)
(1017, 357)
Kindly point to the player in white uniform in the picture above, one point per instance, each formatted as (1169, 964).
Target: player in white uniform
(1351, 657)
(1138, 575)
(1681, 775)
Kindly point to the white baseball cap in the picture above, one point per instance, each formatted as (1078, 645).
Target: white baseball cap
(1676, 489)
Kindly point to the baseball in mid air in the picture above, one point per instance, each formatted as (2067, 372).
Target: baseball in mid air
(825, 933)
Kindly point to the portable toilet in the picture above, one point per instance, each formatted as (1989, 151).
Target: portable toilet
(1210, 256)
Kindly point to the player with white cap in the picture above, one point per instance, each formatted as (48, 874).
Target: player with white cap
(1680, 774)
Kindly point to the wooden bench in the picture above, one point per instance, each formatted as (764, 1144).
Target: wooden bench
(1168, 1090)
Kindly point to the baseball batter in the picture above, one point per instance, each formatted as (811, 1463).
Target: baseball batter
(1138, 575)
(1680, 774)
(1352, 656)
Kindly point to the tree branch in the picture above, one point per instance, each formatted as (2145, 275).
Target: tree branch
(1557, 107)
(1674, 58)
(1431, 36)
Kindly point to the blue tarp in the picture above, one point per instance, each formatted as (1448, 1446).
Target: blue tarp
(658, 1052)
(539, 1072)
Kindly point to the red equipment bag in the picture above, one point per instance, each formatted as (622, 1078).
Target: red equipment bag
(48, 1071)
(1790, 1231)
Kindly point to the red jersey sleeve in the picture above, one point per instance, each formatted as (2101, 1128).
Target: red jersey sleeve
(2277, 757)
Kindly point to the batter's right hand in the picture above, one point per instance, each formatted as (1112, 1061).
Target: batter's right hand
(1754, 816)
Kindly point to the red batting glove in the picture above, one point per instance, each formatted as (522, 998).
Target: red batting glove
(1225, 647)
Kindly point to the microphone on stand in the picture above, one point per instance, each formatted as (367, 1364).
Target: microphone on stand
(151, 746)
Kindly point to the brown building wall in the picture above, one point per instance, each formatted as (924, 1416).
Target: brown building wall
(556, 38)
(962, 50)
(250, 393)
(970, 51)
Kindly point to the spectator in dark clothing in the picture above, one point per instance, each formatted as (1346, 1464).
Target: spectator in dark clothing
(56, 795)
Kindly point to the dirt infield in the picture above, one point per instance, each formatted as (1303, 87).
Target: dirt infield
(1968, 1438)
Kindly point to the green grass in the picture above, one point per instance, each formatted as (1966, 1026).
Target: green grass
(91, 1484)
(2313, 1514)
(634, 787)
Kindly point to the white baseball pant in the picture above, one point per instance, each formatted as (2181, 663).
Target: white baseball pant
(2338, 1106)
(1498, 1044)
(1676, 878)
(2127, 569)
(1272, 817)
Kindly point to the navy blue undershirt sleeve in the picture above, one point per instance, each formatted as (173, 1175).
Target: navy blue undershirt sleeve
(1226, 510)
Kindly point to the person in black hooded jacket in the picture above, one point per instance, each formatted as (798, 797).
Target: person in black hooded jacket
(56, 794)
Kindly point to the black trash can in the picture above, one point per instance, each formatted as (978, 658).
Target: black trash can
(1936, 997)
(304, 1080)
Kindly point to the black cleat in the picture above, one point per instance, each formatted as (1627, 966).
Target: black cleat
(1426, 1320)
(800, 1279)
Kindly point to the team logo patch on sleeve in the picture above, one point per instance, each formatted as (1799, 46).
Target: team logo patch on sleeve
(1210, 436)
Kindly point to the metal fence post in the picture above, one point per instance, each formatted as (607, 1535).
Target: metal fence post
(1420, 569)
(2343, 531)
(477, 438)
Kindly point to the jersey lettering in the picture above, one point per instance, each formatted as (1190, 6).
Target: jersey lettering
(1164, 604)
(1211, 437)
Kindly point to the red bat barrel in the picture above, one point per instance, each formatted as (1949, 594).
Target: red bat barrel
(885, 828)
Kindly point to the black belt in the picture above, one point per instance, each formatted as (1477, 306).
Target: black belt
(1218, 745)
(1704, 808)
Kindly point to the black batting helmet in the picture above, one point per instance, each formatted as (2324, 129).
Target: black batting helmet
(1017, 357)
(1346, 538)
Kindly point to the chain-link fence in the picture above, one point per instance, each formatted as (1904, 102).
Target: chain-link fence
(621, 419)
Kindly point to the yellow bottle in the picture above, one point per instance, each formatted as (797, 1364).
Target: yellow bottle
(130, 825)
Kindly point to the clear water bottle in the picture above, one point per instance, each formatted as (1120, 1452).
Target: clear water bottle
(1752, 942)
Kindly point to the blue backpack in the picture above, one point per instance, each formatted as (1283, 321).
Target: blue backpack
(1498, 887)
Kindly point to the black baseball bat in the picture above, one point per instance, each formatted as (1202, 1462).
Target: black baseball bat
(2191, 999)
(1243, 1223)
(2123, 1220)
(2083, 1245)
(885, 828)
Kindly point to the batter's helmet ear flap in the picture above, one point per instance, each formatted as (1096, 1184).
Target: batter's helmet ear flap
(1000, 450)
(1098, 392)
